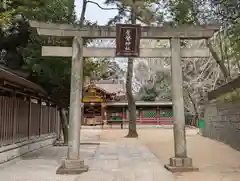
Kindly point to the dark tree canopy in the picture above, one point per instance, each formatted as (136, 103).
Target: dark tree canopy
(13, 38)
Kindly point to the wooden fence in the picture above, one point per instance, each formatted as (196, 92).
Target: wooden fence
(22, 119)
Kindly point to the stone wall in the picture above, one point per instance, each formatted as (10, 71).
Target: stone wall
(13, 151)
(222, 117)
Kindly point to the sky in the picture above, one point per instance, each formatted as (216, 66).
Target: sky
(94, 13)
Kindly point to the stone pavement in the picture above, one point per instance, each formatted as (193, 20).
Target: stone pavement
(109, 161)
(115, 161)
(90, 134)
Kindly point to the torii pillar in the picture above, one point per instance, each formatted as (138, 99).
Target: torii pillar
(180, 162)
(73, 164)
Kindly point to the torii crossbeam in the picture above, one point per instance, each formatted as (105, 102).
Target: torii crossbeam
(148, 32)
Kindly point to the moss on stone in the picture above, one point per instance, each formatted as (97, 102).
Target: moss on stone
(230, 96)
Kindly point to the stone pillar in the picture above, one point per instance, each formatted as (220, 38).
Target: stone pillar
(73, 164)
(180, 162)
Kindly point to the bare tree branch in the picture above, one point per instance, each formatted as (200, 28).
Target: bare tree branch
(84, 8)
(103, 8)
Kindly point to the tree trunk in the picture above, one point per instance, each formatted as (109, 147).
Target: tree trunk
(82, 17)
(71, 7)
(238, 65)
(196, 114)
(132, 128)
(214, 54)
(219, 61)
(64, 125)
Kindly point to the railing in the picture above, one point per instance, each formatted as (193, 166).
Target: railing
(21, 120)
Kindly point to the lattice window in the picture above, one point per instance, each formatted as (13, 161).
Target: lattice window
(166, 113)
(116, 116)
(149, 114)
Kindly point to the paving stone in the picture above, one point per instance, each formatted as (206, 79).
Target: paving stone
(110, 164)
(143, 174)
(109, 161)
(124, 174)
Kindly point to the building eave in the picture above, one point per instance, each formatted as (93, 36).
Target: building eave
(141, 103)
(14, 80)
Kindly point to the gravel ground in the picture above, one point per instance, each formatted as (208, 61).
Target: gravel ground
(216, 161)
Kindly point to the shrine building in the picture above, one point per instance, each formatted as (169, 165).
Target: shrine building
(105, 101)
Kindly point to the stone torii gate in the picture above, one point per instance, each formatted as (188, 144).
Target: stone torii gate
(74, 164)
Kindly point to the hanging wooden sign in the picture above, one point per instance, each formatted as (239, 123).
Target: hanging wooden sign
(127, 40)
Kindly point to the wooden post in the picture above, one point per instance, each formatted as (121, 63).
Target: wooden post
(102, 114)
(40, 117)
(29, 117)
(49, 116)
(15, 108)
(58, 124)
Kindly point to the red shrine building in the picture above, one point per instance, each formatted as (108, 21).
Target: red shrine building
(105, 101)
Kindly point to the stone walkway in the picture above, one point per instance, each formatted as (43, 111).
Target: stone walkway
(109, 161)
(125, 162)
(216, 161)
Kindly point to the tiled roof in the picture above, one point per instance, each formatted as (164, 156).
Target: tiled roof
(111, 86)
(17, 80)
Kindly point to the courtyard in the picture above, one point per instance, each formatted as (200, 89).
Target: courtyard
(115, 158)
(216, 161)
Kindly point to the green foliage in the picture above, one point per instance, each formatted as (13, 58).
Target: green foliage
(144, 10)
(53, 73)
(44, 10)
(163, 89)
(147, 93)
(181, 11)
(225, 12)
(50, 72)
(159, 90)
(228, 13)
